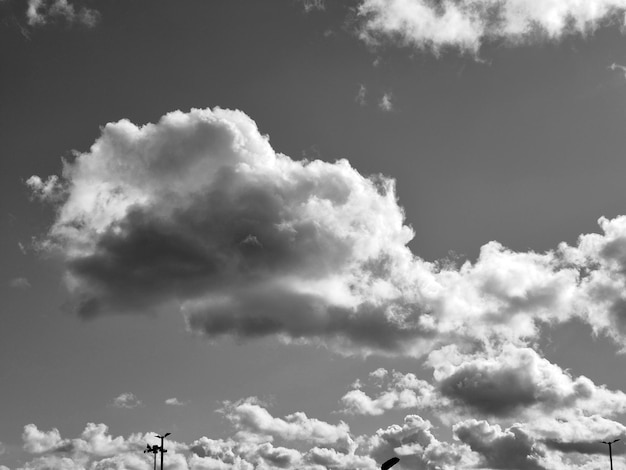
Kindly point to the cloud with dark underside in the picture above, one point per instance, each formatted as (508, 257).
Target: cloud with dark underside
(508, 383)
(510, 448)
(516, 381)
(198, 213)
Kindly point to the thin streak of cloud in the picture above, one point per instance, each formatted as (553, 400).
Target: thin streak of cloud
(19, 283)
(175, 402)
(620, 68)
(361, 95)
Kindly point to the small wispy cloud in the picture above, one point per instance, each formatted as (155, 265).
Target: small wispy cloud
(19, 283)
(361, 95)
(618, 67)
(175, 402)
(41, 12)
(385, 102)
(127, 400)
(313, 5)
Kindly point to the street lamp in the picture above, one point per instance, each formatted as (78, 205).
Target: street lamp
(153, 450)
(161, 449)
(389, 463)
(610, 450)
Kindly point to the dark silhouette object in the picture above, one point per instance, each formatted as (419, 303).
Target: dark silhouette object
(161, 449)
(153, 450)
(610, 450)
(389, 463)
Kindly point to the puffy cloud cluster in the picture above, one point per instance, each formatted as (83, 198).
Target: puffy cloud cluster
(250, 418)
(94, 449)
(37, 441)
(548, 412)
(198, 212)
(512, 384)
(467, 24)
(41, 12)
(511, 448)
(403, 391)
(417, 447)
(260, 440)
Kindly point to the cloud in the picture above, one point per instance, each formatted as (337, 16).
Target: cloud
(258, 440)
(313, 5)
(19, 283)
(385, 102)
(512, 380)
(36, 441)
(247, 241)
(466, 25)
(511, 449)
(199, 213)
(619, 67)
(127, 400)
(175, 402)
(42, 12)
(249, 417)
(417, 447)
(402, 392)
(361, 95)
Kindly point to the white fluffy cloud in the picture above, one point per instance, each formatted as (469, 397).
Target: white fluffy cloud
(249, 417)
(511, 448)
(37, 441)
(417, 447)
(513, 381)
(262, 441)
(467, 24)
(403, 391)
(199, 212)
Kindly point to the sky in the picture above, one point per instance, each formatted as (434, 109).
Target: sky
(312, 234)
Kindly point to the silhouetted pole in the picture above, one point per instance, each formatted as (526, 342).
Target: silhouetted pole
(610, 450)
(389, 463)
(154, 450)
(161, 449)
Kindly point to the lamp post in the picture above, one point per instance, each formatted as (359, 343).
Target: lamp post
(610, 450)
(389, 463)
(161, 449)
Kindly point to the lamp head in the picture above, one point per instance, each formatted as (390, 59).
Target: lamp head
(389, 463)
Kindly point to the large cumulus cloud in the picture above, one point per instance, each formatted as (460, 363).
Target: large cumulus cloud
(199, 213)
(198, 210)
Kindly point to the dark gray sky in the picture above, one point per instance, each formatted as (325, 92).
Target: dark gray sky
(296, 278)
